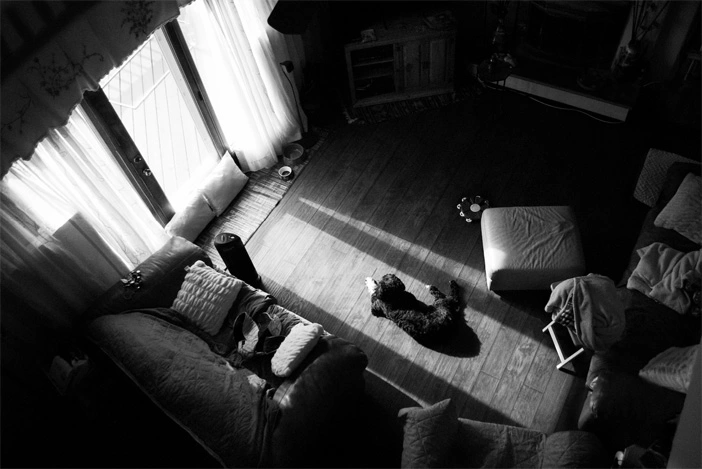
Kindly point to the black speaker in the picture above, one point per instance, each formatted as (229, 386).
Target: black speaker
(233, 253)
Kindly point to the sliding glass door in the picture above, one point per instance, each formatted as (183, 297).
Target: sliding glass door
(153, 98)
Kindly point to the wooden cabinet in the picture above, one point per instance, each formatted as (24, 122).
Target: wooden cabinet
(407, 60)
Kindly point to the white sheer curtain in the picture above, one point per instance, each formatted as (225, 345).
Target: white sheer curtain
(71, 224)
(238, 56)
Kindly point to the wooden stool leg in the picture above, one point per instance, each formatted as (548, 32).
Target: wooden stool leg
(563, 360)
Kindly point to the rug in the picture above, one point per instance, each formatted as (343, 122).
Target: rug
(652, 175)
(255, 202)
(386, 111)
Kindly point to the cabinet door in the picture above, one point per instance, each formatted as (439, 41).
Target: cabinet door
(412, 65)
(434, 64)
(426, 63)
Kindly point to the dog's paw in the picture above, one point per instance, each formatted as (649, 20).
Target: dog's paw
(371, 284)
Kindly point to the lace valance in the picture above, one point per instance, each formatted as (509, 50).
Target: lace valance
(54, 51)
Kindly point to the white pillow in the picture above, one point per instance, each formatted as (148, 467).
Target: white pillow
(671, 368)
(295, 347)
(684, 211)
(189, 222)
(223, 184)
(206, 296)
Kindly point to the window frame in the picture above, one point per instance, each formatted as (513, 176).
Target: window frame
(110, 127)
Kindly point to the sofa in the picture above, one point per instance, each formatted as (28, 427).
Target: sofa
(436, 437)
(621, 407)
(229, 397)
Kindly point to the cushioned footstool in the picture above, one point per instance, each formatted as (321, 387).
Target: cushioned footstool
(528, 248)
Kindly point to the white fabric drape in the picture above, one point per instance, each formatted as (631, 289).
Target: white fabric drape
(238, 56)
(40, 93)
(71, 224)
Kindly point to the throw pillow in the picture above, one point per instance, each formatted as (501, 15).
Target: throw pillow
(206, 296)
(429, 435)
(682, 213)
(223, 184)
(671, 368)
(296, 346)
(189, 222)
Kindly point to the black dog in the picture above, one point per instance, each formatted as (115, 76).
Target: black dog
(425, 323)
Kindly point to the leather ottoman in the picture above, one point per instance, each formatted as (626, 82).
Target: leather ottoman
(529, 248)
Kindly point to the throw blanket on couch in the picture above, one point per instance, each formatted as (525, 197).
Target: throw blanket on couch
(598, 312)
(227, 409)
(665, 274)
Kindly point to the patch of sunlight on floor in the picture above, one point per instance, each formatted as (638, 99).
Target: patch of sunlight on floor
(421, 253)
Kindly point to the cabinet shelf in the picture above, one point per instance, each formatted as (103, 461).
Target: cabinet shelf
(365, 89)
(366, 63)
(408, 60)
(379, 70)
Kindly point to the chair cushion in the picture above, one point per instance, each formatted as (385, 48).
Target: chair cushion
(529, 248)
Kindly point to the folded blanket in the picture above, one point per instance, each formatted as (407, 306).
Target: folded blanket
(598, 312)
(664, 273)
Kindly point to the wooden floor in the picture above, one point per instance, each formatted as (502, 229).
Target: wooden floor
(382, 198)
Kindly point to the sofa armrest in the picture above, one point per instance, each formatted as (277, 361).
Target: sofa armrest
(574, 449)
(484, 444)
(315, 404)
(622, 409)
(162, 274)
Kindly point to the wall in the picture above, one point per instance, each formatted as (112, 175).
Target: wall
(686, 450)
(668, 51)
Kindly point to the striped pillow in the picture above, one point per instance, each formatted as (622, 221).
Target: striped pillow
(671, 368)
(206, 296)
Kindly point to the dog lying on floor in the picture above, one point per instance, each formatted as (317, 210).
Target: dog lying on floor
(424, 323)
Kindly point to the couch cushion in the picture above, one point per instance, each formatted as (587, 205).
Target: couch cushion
(429, 434)
(492, 445)
(649, 232)
(672, 368)
(650, 329)
(574, 449)
(225, 409)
